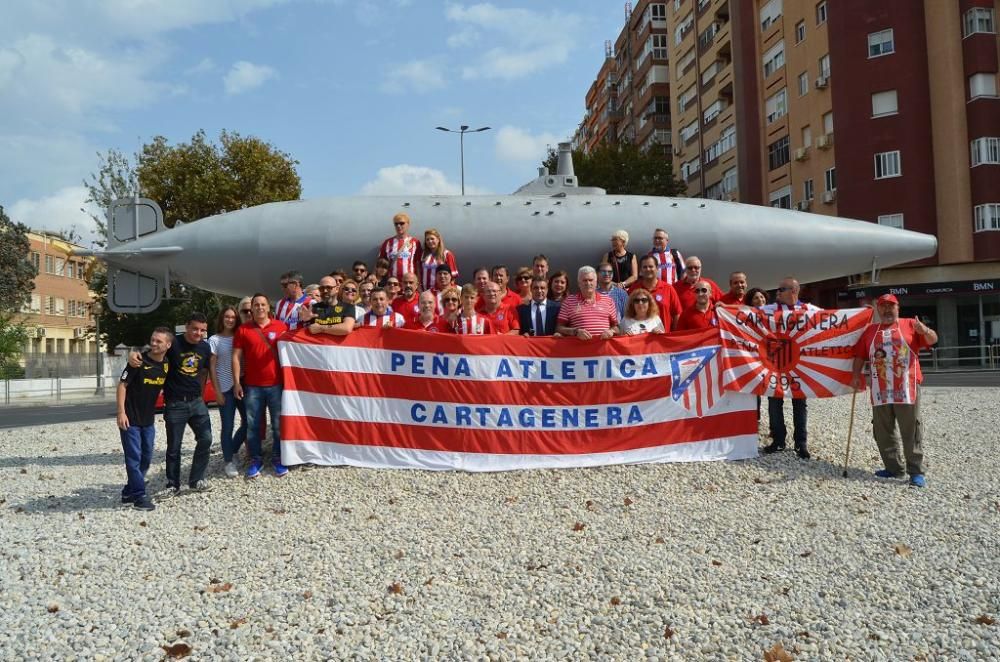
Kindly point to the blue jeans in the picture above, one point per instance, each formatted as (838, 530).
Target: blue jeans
(178, 414)
(227, 413)
(258, 397)
(776, 414)
(137, 442)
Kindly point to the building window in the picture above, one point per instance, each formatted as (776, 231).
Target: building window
(979, 19)
(34, 260)
(891, 220)
(659, 46)
(690, 131)
(774, 59)
(684, 63)
(36, 303)
(658, 12)
(777, 153)
(683, 28)
(60, 266)
(707, 35)
(887, 165)
(776, 106)
(689, 169)
(782, 198)
(821, 12)
(50, 264)
(881, 43)
(884, 103)
(830, 180)
(824, 66)
(807, 189)
(769, 13)
(686, 97)
(987, 217)
(726, 142)
(807, 136)
(803, 83)
(985, 151)
(982, 85)
(714, 110)
(828, 123)
(800, 32)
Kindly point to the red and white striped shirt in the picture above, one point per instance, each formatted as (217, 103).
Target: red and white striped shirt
(404, 255)
(388, 320)
(287, 310)
(595, 316)
(669, 273)
(430, 266)
(477, 325)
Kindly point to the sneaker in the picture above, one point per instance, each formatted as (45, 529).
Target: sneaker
(143, 503)
(885, 473)
(773, 447)
(918, 480)
(254, 469)
(202, 486)
(231, 469)
(128, 500)
(280, 470)
(168, 492)
(802, 452)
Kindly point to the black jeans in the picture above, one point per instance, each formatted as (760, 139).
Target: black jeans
(776, 414)
(177, 415)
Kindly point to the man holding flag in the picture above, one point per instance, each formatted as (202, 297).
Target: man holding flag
(891, 348)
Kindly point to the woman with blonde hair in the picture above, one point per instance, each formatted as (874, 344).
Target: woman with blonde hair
(522, 283)
(624, 263)
(641, 314)
(435, 255)
(451, 303)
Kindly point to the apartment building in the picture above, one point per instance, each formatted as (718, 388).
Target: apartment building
(886, 111)
(59, 312)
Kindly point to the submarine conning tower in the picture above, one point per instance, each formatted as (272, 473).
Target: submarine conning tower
(562, 183)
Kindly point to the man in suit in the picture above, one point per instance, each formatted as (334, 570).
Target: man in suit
(538, 318)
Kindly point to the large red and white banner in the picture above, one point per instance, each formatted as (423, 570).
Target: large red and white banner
(801, 353)
(408, 399)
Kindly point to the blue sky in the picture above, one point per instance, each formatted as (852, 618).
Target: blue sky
(353, 90)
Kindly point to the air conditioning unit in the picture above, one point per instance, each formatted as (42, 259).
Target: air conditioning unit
(822, 82)
(78, 332)
(801, 153)
(40, 332)
(677, 151)
(829, 196)
(803, 205)
(825, 141)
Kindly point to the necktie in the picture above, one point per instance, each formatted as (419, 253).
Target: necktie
(539, 322)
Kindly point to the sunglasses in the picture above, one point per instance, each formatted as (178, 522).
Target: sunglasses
(449, 299)
(399, 225)
(701, 290)
(606, 273)
(350, 290)
(527, 278)
(642, 300)
(327, 287)
(783, 289)
(360, 269)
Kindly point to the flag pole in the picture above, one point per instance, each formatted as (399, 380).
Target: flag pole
(850, 429)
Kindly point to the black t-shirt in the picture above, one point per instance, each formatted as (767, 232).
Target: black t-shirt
(328, 314)
(142, 386)
(186, 361)
(621, 265)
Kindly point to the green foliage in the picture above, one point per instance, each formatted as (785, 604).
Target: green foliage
(623, 169)
(189, 181)
(13, 337)
(17, 274)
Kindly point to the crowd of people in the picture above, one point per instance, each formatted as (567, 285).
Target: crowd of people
(415, 285)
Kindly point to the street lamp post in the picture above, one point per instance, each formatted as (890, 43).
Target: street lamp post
(462, 130)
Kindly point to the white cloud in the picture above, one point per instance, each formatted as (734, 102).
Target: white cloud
(245, 76)
(65, 210)
(514, 144)
(463, 38)
(415, 76)
(530, 40)
(205, 66)
(406, 179)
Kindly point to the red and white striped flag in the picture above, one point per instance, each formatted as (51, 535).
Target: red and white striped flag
(804, 353)
(394, 398)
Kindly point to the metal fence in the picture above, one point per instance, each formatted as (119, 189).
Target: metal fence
(54, 377)
(961, 357)
(58, 364)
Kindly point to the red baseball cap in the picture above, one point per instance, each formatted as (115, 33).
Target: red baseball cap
(886, 299)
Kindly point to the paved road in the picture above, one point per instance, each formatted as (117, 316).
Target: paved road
(17, 417)
(981, 378)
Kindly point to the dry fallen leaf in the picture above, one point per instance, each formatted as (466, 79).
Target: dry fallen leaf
(280, 510)
(24, 471)
(220, 588)
(668, 632)
(903, 550)
(429, 582)
(201, 528)
(761, 481)
(398, 554)
(79, 516)
(392, 502)
(53, 608)
(143, 523)
(716, 562)
(180, 649)
(501, 635)
(628, 502)
(238, 622)
(777, 654)
(183, 632)
(659, 540)
(307, 594)
(590, 505)
(985, 620)
(579, 526)
(806, 554)
(616, 601)
(760, 619)
(395, 588)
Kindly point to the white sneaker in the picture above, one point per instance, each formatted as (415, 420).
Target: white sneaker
(231, 469)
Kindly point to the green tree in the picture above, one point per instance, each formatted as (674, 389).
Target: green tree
(189, 181)
(17, 279)
(623, 169)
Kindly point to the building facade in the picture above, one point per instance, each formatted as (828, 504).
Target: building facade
(58, 315)
(888, 112)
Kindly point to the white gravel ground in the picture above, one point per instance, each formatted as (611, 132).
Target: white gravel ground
(692, 561)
